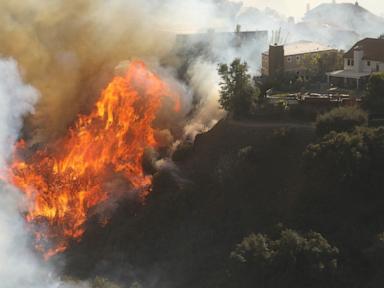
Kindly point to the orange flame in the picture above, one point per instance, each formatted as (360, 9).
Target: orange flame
(65, 180)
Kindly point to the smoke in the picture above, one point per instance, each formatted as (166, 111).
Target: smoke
(67, 50)
(19, 265)
(204, 80)
(336, 25)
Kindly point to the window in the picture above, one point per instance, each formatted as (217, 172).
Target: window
(377, 68)
(349, 62)
(289, 59)
(352, 62)
(297, 58)
(369, 63)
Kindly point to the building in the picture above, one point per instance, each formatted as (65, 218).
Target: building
(228, 38)
(291, 58)
(363, 59)
(220, 47)
(212, 40)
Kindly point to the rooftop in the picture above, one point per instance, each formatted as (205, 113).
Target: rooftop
(373, 49)
(348, 74)
(304, 47)
(213, 33)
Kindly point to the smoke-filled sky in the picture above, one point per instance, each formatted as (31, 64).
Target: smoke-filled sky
(297, 8)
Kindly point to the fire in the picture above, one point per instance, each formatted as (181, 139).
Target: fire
(64, 180)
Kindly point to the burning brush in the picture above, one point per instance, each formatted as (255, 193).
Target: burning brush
(64, 180)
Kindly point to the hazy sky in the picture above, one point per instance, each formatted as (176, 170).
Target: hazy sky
(297, 8)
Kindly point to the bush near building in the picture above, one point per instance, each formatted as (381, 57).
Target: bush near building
(341, 119)
(374, 100)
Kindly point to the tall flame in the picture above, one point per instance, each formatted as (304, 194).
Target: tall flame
(64, 180)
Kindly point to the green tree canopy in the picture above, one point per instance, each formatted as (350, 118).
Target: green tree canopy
(355, 158)
(374, 100)
(238, 93)
(319, 64)
(343, 119)
(291, 258)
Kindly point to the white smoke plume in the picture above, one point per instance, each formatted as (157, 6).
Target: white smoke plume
(19, 265)
(204, 80)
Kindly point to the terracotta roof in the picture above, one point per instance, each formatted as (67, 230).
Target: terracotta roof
(373, 49)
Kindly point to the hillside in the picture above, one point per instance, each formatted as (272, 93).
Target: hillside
(239, 178)
(346, 16)
(243, 182)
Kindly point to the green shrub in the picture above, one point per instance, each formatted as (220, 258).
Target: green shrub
(343, 119)
(351, 158)
(374, 100)
(292, 258)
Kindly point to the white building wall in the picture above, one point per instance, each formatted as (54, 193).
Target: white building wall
(358, 60)
(350, 62)
(380, 65)
(373, 66)
(364, 67)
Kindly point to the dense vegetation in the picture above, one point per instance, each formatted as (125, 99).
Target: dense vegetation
(253, 204)
(374, 100)
(343, 119)
(291, 260)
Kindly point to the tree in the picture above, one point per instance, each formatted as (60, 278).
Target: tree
(319, 64)
(343, 119)
(374, 100)
(238, 93)
(350, 161)
(294, 258)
